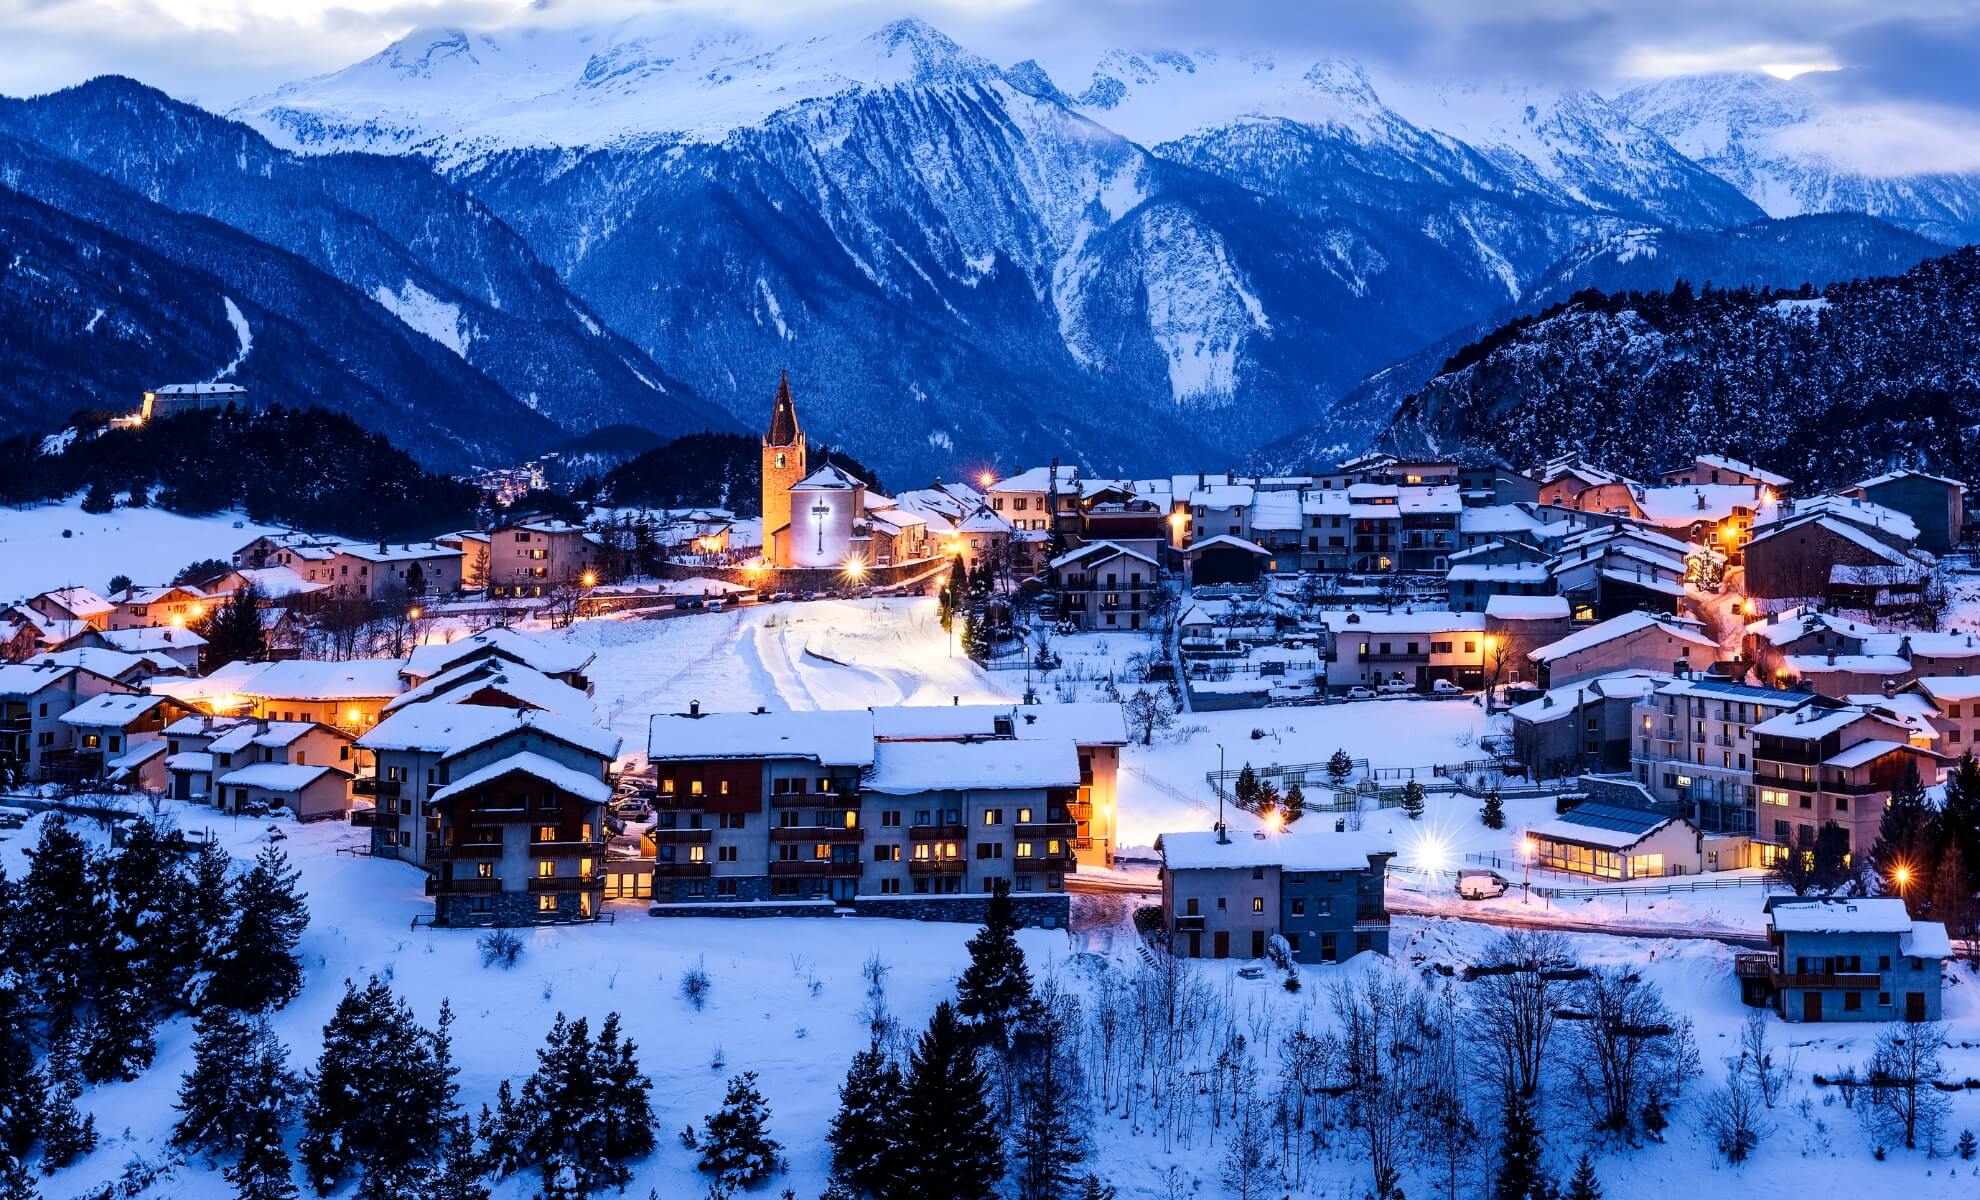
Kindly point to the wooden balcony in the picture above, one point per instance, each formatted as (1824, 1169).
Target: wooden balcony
(1062, 861)
(1042, 830)
(371, 785)
(1841, 981)
(937, 866)
(831, 835)
(558, 849)
(566, 883)
(472, 886)
(465, 852)
(937, 833)
(682, 870)
(814, 868)
(681, 837)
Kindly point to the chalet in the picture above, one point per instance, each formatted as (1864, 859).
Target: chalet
(1584, 726)
(1814, 764)
(1616, 841)
(1934, 503)
(77, 604)
(158, 644)
(1104, 586)
(1638, 640)
(202, 749)
(1224, 559)
(177, 605)
(20, 636)
(33, 699)
(1863, 959)
(982, 535)
(501, 683)
(1225, 895)
(1707, 469)
(1367, 648)
(1799, 557)
(109, 726)
(560, 661)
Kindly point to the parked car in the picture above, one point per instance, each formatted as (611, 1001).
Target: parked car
(1444, 687)
(782, 596)
(1481, 884)
(717, 604)
(633, 808)
(1395, 687)
(1360, 693)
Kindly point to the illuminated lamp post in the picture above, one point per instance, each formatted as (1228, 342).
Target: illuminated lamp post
(1529, 846)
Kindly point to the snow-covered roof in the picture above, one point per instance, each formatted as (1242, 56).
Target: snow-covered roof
(199, 762)
(1881, 914)
(1513, 572)
(1743, 468)
(827, 478)
(1277, 510)
(1607, 826)
(1902, 473)
(1866, 752)
(830, 739)
(1223, 495)
(903, 768)
(277, 777)
(311, 679)
(1794, 623)
(1809, 722)
(1949, 689)
(983, 521)
(1847, 530)
(152, 639)
(1294, 850)
(556, 774)
(1856, 511)
(1497, 518)
(152, 595)
(1620, 626)
(1527, 608)
(1565, 701)
(1038, 480)
(79, 600)
(25, 679)
(1223, 539)
(1427, 621)
(137, 754)
(515, 681)
(542, 654)
(1925, 939)
(278, 582)
(112, 710)
(1862, 664)
(1649, 583)
(200, 389)
(1085, 723)
(1102, 551)
(1430, 499)
(450, 729)
(111, 664)
(1627, 534)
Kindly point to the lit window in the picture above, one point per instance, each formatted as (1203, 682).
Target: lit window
(1258, 904)
(546, 869)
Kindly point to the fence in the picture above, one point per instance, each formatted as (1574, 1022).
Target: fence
(1660, 889)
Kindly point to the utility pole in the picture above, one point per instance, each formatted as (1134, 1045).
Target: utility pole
(1223, 834)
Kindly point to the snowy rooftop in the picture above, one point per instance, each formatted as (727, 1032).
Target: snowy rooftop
(556, 774)
(450, 729)
(310, 679)
(22, 679)
(1925, 939)
(1884, 914)
(1743, 468)
(1809, 723)
(1086, 723)
(276, 777)
(903, 768)
(1950, 689)
(1226, 539)
(111, 664)
(1501, 573)
(828, 478)
(830, 739)
(153, 639)
(111, 710)
(1527, 608)
(1864, 752)
(1497, 518)
(1794, 623)
(1610, 826)
(1894, 476)
(542, 654)
(1867, 664)
(1847, 530)
(1428, 621)
(277, 583)
(1295, 850)
(523, 684)
(1617, 627)
(1566, 701)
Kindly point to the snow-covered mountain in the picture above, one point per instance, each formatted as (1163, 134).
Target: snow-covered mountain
(1782, 144)
(1123, 258)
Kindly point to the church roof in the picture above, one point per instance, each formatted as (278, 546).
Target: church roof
(783, 416)
(827, 478)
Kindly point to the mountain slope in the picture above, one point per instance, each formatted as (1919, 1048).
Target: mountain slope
(389, 227)
(1779, 143)
(1768, 377)
(184, 298)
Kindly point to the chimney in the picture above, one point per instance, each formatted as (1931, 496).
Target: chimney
(1832, 658)
(694, 708)
(1904, 647)
(1890, 689)
(1547, 701)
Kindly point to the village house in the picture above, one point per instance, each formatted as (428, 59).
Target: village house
(1104, 586)
(532, 558)
(1693, 746)
(1516, 626)
(310, 793)
(348, 695)
(504, 806)
(1368, 648)
(1225, 895)
(1707, 469)
(151, 607)
(120, 738)
(1863, 959)
(1809, 556)
(1225, 559)
(560, 661)
(473, 546)
(73, 604)
(159, 644)
(1648, 641)
(796, 809)
(1498, 568)
(1584, 726)
(1611, 573)
(1617, 841)
(1935, 504)
(1815, 764)
(203, 750)
(1954, 702)
(33, 699)
(131, 669)
(500, 683)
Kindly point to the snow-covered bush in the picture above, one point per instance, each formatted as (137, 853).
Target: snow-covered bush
(500, 948)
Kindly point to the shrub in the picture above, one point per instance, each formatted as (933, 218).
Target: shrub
(500, 948)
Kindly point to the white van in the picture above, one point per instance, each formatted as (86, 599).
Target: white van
(1480, 884)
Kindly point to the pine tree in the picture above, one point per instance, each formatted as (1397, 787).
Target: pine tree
(66, 937)
(1584, 1185)
(1960, 818)
(15, 1182)
(581, 1117)
(1967, 1146)
(863, 1130)
(1049, 1147)
(20, 1086)
(117, 1040)
(1340, 766)
(461, 1170)
(258, 968)
(1952, 898)
(1245, 790)
(66, 1132)
(995, 989)
(237, 1060)
(950, 1147)
(378, 1098)
(263, 1171)
(1520, 1175)
(502, 1133)
(1412, 800)
(201, 923)
(736, 1147)
(143, 878)
(1091, 1188)
(626, 1107)
(233, 631)
(1294, 803)
(1493, 815)
(1907, 835)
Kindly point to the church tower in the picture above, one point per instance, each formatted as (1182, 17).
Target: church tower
(783, 465)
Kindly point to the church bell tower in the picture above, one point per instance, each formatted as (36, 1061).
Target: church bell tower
(783, 465)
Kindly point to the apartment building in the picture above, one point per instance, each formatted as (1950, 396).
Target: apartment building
(1368, 649)
(33, 699)
(811, 809)
(1817, 764)
(1104, 586)
(1584, 726)
(1636, 640)
(1229, 895)
(1935, 504)
(1693, 746)
(534, 557)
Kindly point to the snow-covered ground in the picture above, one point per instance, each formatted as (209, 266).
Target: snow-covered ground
(786, 1001)
(59, 545)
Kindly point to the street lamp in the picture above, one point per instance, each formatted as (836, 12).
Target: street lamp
(1223, 835)
(1528, 847)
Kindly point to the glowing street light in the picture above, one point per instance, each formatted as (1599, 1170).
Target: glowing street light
(1274, 820)
(987, 478)
(1901, 876)
(589, 579)
(414, 612)
(855, 567)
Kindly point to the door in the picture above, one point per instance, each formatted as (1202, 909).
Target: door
(1811, 1006)
(1196, 945)
(1914, 1006)
(1222, 943)
(1258, 943)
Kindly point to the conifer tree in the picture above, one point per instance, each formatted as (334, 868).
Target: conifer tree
(950, 1148)
(736, 1146)
(994, 992)
(1049, 1147)
(15, 1182)
(67, 1133)
(1412, 800)
(142, 881)
(1245, 790)
(378, 1099)
(1907, 835)
(626, 1107)
(863, 1131)
(117, 1040)
(258, 968)
(1584, 1185)
(263, 1171)
(233, 632)
(1952, 896)
(20, 1090)
(581, 1117)
(1294, 803)
(1340, 766)
(201, 923)
(1493, 815)
(237, 1060)
(1960, 818)
(1519, 1175)
(1092, 1189)
(65, 937)
(462, 1168)
(502, 1133)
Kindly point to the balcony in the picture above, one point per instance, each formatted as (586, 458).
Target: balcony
(831, 835)
(437, 886)
(682, 870)
(847, 796)
(464, 851)
(681, 837)
(1844, 981)
(566, 883)
(937, 833)
(371, 785)
(1062, 861)
(1189, 922)
(937, 866)
(558, 848)
(1754, 965)
(814, 868)
(1040, 830)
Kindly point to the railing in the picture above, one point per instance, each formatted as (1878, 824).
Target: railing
(814, 867)
(1661, 889)
(831, 835)
(1057, 862)
(681, 837)
(938, 833)
(937, 866)
(1047, 829)
(464, 850)
(566, 883)
(573, 846)
(682, 870)
(1828, 979)
(367, 785)
(436, 886)
(1189, 922)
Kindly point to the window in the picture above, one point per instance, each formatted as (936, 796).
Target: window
(694, 787)
(725, 854)
(546, 833)
(546, 869)
(1298, 907)
(986, 850)
(890, 819)
(1027, 850)
(1258, 904)
(546, 904)
(993, 816)
(697, 854)
(1024, 814)
(484, 870)
(886, 854)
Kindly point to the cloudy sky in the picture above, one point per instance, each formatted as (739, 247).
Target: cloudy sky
(1908, 65)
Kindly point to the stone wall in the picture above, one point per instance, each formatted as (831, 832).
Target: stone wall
(1050, 910)
(803, 579)
(746, 908)
(507, 909)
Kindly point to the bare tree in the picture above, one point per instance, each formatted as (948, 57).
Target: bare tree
(1733, 1113)
(1247, 1164)
(1383, 1021)
(1445, 1127)
(1513, 1000)
(1770, 1072)
(1903, 1105)
(1149, 712)
(1624, 1042)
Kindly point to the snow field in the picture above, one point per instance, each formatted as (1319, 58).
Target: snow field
(147, 544)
